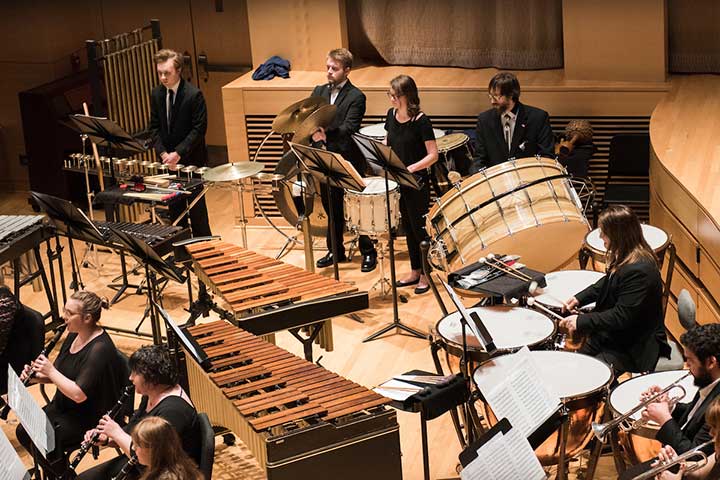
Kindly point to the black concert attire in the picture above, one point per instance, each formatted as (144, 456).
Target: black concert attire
(185, 135)
(24, 341)
(178, 412)
(532, 136)
(408, 141)
(350, 105)
(626, 328)
(98, 371)
(682, 434)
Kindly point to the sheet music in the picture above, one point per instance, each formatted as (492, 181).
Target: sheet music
(397, 390)
(12, 467)
(31, 416)
(522, 397)
(504, 457)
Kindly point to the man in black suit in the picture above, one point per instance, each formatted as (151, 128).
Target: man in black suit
(510, 129)
(178, 120)
(684, 427)
(337, 137)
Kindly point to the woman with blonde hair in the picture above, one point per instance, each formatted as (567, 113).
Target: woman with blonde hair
(626, 328)
(158, 448)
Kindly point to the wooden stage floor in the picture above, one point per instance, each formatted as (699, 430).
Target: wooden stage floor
(366, 363)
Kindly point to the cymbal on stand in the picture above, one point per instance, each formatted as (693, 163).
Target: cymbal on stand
(233, 171)
(288, 120)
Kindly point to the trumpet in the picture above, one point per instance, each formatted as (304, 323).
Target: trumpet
(625, 421)
(45, 352)
(685, 457)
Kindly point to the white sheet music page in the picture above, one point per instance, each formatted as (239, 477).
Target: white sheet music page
(31, 416)
(11, 467)
(522, 397)
(505, 457)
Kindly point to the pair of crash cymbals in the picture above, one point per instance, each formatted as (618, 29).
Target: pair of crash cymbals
(303, 118)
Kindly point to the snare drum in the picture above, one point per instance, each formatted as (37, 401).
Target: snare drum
(656, 237)
(510, 327)
(517, 207)
(365, 212)
(378, 132)
(640, 444)
(579, 380)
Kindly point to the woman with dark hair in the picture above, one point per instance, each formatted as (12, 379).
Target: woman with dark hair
(85, 373)
(155, 377)
(158, 448)
(626, 328)
(410, 134)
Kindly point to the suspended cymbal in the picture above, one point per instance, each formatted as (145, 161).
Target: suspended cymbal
(291, 117)
(233, 171)
(322, 117)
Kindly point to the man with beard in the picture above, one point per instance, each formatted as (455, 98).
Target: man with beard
(685, 428)
(350, 104)
(510, 129)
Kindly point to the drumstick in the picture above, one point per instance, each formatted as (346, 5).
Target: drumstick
(508, 271)
(531, 301)
(502, 264)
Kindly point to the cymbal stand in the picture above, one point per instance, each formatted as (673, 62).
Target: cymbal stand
(90, 195)
(239, 190)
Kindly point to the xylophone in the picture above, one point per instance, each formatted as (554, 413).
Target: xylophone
(266, 295)
(298, 419)
(20, 233)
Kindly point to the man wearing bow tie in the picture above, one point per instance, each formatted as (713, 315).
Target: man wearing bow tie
(178, 120)
(337, 137)
(510, 129)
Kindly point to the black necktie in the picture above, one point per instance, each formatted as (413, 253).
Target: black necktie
(171, 98)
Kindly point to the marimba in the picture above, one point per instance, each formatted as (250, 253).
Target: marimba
(299, 419)
(265, 295)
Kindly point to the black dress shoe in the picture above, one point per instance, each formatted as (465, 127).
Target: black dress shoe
(369, 262)
(421, 290)
(327, 260)
(400, 283)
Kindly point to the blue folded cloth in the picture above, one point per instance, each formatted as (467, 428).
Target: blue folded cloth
(273, 67)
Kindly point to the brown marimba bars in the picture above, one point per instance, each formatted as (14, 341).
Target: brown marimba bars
(267, 395)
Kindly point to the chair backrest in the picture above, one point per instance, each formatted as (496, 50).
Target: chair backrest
(25, 341)
(629, 155)
(207, 445)
(686, 310)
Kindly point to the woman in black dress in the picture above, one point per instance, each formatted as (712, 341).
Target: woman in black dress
(155, 377)
(86, 373)
(410, 134)
(626, 329)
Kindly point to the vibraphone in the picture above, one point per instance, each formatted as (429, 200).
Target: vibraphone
(266, 295)
(298, 419)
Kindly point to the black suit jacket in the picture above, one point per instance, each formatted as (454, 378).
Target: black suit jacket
(695, 432)
(532, 136)
(186, 134)
(628, 316)
(350, 104)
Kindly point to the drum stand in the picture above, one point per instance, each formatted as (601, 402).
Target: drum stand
(383, 283)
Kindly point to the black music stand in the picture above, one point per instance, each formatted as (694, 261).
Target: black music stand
(382, 157)
(334, 171)
(154, 265)
(104, 132)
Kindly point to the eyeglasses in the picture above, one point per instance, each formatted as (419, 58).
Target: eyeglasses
(495, 98)
(392, 96)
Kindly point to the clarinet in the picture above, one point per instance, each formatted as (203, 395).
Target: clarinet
(114, 411)
(45, 351)
(122, 474)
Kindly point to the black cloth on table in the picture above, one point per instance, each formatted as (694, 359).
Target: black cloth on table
(407, 139)
(178, 412)
(503, 286)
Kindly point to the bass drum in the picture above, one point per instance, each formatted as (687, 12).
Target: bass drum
(289, 195)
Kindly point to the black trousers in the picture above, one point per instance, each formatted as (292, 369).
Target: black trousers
(621, 362)
(336, 197)
(198, 215)
(413, 208)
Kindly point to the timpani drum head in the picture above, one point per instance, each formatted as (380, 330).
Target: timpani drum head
(563, 285)
(378, 132)
(510, 327)
(654, 236)
(568, 375)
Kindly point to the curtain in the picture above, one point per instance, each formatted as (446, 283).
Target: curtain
(508, 34)
(694, 36)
